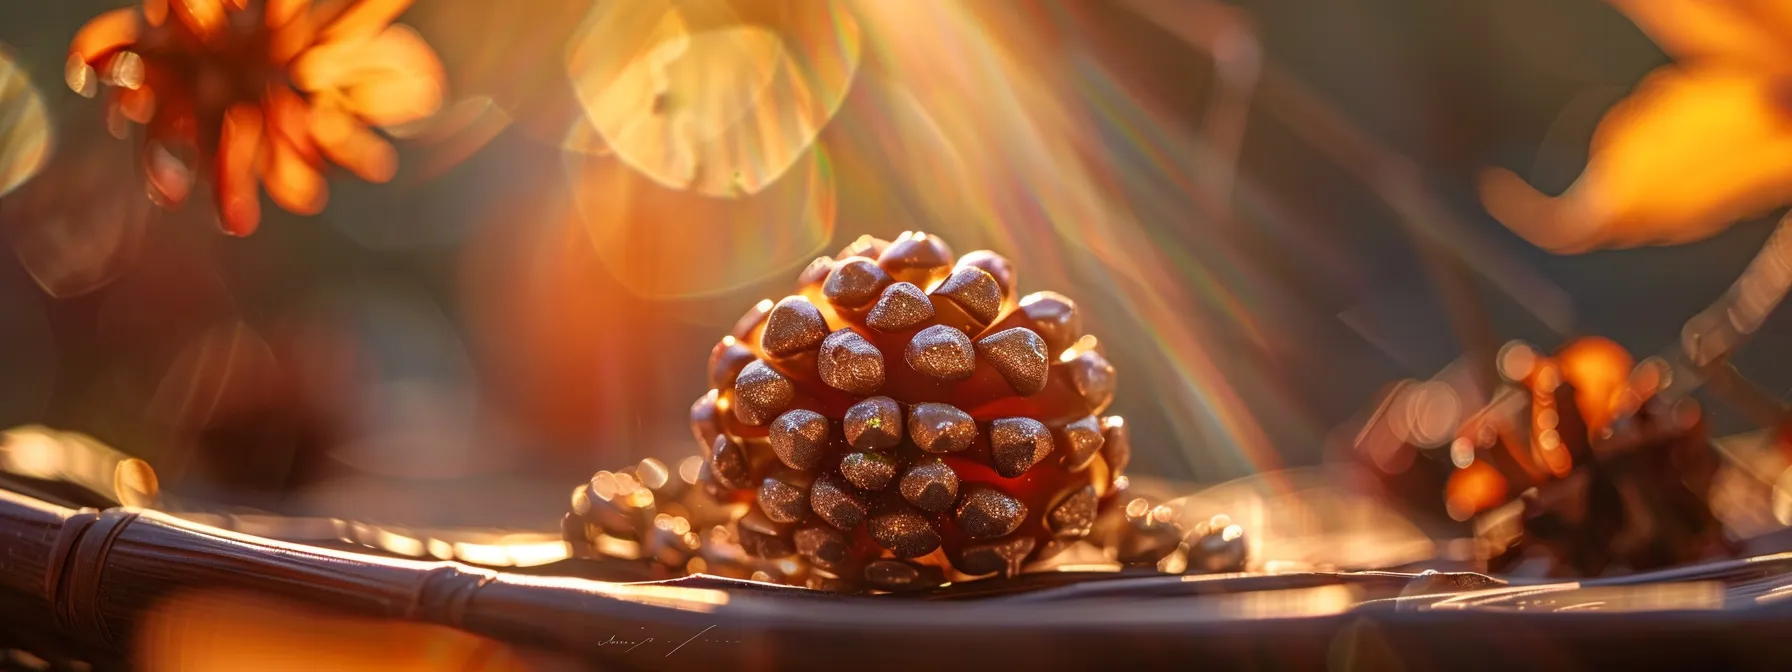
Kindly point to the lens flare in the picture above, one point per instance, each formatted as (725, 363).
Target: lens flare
(721, 98)
(24, 126)
(663, 243)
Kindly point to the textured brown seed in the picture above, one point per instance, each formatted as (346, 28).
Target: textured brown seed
(903, 529)
(761, 537)
(836, 503)
(1004, 555)
(1218, 546)
(1016, 444)
(1019, 354)
(901, 306)
(1074, 516)
(916, 257)
(1093, 377)
(799, 438)
(726, 360)
(985, 512)
(973, 290)
(728, 463)
(940, 428)
(822, 546)
(794, 326)
(873, 423)
(868, 470)
(855, 282)
(995, 265)
(1144, 540)
(896, 575)
(867, 246)
(761, 394)
(931, 485)
(1055, 318)
(1082, 441)
(705, 422)
(850, 363)
(942, 353)
(782, 501)
(1116, 446)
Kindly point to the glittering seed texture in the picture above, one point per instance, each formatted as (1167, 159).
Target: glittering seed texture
(855, 282)
(985, 512)
(943, 353)
(873, 423)
(973, 290)
(1016, 444)
(931, 485)
(1019, 354)
(939, 428)
(850, 363)
(799, 437)
(902, 306)
(794, 326)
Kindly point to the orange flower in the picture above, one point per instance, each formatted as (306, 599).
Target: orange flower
(1698, 145)
(260, 92)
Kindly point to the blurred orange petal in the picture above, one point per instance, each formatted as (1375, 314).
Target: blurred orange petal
(155, 11)
(1756, 32)
(352, 145)
(281, 12)
(291, 180)
(291, 35)
(1691, 151)
(363, 20)
(238, 201)
(407, 87)
(392, 79)
(206, 18)
(106, 33)
(138, 105)
(289, 119)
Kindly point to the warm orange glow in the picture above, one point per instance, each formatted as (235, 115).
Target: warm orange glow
(200, 632)
(1473, 489)
(1600, 372)
(1721, 108)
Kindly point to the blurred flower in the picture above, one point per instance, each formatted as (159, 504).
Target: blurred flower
(258, 92)
(1698, 145)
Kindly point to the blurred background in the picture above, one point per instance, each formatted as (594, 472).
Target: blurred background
(1266, 208)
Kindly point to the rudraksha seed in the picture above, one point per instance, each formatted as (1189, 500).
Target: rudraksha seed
(902, 420)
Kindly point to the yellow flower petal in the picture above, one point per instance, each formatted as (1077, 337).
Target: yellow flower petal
(105, 33)
(352, 145)
(363, 20)
(392, 79)
(291, 180)
(239, 201)
(1691, 151)
(206, 18)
